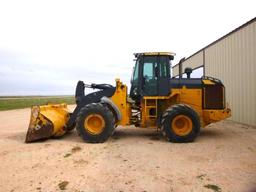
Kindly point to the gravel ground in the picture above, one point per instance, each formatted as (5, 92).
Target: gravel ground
(223, 158)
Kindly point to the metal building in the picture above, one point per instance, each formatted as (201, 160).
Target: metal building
(232, 58)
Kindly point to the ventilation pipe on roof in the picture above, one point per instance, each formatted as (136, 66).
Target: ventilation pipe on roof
(188, 71)
(180, 67)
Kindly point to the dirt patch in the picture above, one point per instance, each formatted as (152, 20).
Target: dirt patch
(62, 185)
(213, 187)
(76, 149)
(223, 158)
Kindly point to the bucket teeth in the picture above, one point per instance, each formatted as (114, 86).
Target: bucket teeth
(39, 127)
(39, 132)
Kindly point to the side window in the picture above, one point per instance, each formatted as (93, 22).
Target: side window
(150, 75)
(163, 66)
(149, 68)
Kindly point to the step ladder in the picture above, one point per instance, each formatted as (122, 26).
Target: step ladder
(150, 111)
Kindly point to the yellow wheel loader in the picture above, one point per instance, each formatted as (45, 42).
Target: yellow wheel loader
(178, 107)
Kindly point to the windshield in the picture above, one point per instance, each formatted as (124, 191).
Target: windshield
(135, 75)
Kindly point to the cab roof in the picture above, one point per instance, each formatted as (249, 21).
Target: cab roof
(155, 53)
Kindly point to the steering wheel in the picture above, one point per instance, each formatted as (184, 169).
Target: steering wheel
(146, 79)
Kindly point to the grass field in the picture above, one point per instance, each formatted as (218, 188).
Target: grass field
(7, 103)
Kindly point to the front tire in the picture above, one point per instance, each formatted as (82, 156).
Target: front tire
(95, 123)
(180, 124)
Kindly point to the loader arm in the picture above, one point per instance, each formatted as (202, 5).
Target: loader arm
(82, 99)
(54, 120)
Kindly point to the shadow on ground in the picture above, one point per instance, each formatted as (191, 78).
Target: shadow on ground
(122, 134)
(70, 136)
(140, 133)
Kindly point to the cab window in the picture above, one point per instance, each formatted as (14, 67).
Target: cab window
(135, 77)
(163, 66)
(150, 76)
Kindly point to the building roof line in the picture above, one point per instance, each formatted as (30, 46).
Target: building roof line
(223, 37)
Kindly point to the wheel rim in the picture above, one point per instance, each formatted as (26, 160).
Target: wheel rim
(94, 124)
(182, 125)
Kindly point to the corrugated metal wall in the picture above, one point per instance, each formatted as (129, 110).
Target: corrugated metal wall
(233, 60)
(194, 61)
(175, 70)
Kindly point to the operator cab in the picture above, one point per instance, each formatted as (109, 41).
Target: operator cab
(151, 75)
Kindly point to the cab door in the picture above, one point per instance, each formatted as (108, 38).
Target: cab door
(163, 71)
(149, 76)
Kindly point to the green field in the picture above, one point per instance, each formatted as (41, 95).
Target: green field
(7, 103)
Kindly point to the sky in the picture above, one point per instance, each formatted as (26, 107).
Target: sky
(47, 46)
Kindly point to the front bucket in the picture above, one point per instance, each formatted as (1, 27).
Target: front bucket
(47, 121)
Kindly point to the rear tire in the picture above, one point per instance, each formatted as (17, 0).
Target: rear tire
(95, 123)
(180, 124)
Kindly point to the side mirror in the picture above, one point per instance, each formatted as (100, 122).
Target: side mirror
(171, 57)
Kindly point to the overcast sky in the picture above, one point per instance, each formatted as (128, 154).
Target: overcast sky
(47, 46)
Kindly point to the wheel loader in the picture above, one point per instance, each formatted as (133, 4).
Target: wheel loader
(179, 107)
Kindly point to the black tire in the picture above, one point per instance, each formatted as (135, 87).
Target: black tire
(169, 128)
(99, 110)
